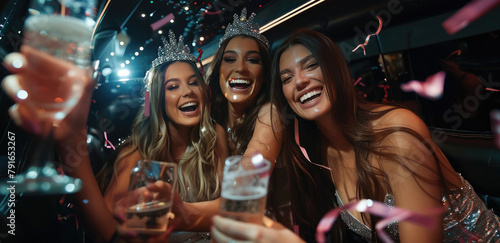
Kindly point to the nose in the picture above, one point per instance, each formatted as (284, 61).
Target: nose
(302, 81)
(241, 66)
(188, 91)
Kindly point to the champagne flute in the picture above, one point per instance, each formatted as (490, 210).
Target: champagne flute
(244, 188)
(147, 212)
(62, 31)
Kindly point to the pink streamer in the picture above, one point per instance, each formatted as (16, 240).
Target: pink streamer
(146, 103)
(386, 91)
(213, 13)
(388, 214)
(108, 143)
(432, 88)
(495, 126)
(468, 14)
(304, 152)
(380, 23)
(158, 24)
(358, 81)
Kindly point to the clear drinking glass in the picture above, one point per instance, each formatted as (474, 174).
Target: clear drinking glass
(147, 211)
(244, 188)
(61, 29)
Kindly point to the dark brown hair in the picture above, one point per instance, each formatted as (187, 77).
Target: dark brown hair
(243, 129)
(312, 190)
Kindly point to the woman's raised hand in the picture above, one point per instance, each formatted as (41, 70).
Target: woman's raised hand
(30, 64)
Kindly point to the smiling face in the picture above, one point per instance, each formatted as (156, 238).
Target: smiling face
(183, 95)
(303, 84)
(241, 73)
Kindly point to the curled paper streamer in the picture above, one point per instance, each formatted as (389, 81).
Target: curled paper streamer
(386, 92)
(432, 88)
(388, 214)
(468, 14)
(380, 23)
(495, 126)
(108, 143)
(304, 152)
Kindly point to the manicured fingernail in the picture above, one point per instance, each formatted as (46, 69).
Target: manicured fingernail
(16, 60)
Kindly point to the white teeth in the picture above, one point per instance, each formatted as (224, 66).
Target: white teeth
(309, 95)
(188, 104)
(239, 81)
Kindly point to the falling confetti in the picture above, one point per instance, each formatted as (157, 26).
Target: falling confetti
(213, 13)
(358, 81)
(495, 126)
(368, 36)
(468, 14)
(432, 88)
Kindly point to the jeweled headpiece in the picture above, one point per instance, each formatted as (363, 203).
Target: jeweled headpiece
(173, 51)
(243, 26)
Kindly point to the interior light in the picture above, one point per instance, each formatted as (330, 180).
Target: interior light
(136, 53)
(290, 14)
(127, 62)
(123, 72)
(112, 53)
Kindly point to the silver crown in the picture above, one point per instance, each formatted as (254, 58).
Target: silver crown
(243, 26)
(173, 51)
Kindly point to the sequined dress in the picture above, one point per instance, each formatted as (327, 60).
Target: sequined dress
(463, 221)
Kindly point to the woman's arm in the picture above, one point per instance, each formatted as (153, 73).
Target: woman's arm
(70, 135)
(267, 135)
(415, 182)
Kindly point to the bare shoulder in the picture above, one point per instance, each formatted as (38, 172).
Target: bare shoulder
(401, 117)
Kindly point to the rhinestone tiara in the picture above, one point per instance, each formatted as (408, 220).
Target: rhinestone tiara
(243, 26)
(173, 51)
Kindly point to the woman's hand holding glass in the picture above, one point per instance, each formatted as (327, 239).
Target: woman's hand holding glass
(31, 64)
(229, 230)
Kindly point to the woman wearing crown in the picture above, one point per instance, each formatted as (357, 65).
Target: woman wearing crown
(175, 127)
(240, 83)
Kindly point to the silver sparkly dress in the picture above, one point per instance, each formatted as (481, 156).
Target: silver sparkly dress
(467, 220)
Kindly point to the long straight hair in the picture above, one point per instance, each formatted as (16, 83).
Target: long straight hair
(312, 189)
(243, 129)
(198, 179)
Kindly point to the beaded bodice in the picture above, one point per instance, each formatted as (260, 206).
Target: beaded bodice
(466, 219)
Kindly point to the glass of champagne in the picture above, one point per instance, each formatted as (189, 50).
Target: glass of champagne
(61, 30)
(244, 188)
(148, 206)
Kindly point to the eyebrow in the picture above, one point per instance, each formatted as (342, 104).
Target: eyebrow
(302, 62)
(248, 52)
(176, 79)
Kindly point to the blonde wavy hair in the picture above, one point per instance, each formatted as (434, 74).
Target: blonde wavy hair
(198, 178)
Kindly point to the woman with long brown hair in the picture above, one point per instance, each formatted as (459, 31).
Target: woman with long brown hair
(357, 150)
(240, 83)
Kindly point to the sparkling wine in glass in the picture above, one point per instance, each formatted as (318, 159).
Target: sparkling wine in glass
(244, 188)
